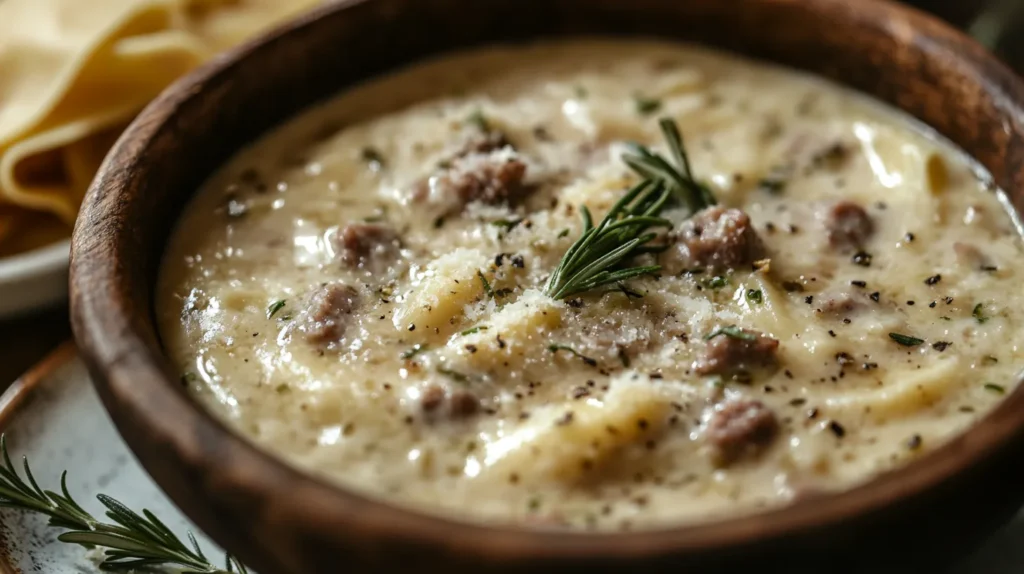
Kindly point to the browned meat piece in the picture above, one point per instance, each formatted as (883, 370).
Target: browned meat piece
(463, 404)
(482, 142)
(739, 428)
(736, 351)
(328, 313)
(715, 238)
(432, 398)
(436, 401)
(848, 225)
(359, 244)
(495, 177)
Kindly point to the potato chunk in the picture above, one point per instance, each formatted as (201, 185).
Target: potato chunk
(514, 334)
(438, 296)
(570, 441)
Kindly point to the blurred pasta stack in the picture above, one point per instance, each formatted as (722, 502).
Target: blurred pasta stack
(73, 74)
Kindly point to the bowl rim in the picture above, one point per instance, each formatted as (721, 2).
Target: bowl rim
(130, 374)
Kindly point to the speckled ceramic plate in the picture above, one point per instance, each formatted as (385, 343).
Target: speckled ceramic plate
(53, 416)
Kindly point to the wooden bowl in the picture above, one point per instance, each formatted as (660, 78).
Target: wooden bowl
(281, 521)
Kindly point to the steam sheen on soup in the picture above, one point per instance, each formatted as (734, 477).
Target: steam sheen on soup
(365, 292)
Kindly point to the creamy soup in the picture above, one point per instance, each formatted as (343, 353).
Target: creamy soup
(807, 291)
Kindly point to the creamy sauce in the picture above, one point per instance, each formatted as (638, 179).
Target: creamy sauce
(420, 361)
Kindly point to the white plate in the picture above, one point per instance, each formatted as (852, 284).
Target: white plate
(53, 416)
(33, 280)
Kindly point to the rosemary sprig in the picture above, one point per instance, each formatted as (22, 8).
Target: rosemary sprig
(677, 178)
(131, 541)
(622, 234)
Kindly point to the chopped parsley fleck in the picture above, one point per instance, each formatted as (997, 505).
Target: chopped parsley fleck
(979, 313)
(506, 224)
(998, 389)
(487, 286)
(731, 331)
(563, 233)
(716, 282)
(473, 330)
(755, 296)
(586, 360)
(646, 106)
(377, 216)
(476, 118)
(453, 375)
(275, 307)
(413, 351)
(282, 388)
(905, 340)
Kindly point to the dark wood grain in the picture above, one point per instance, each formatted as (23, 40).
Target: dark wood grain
(283, 522)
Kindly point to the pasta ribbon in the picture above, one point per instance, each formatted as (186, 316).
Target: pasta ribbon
(73, 74)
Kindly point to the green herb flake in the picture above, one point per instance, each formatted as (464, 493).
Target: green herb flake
(646, 106)
(716, 282)
(534, 503)
(487, 286)
(586, 360)
(997, 389)
(506, 224)
(477, 119)
(979, 313)
(413, 351)
(905, 340)
(381, 214)
(755, 296)
(275, 307)
(282, 388)
(473, 330)
(731, 331)
(453, 375)
(563, 233)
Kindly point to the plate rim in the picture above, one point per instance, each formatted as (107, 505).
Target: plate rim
(11, 401)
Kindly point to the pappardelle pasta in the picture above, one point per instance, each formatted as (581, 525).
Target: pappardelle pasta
(501, 286)
(73, 73)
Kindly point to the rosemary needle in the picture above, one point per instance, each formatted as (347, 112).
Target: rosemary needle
(622, 234)
(678, 178)
(592, 260)
(130, 542)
